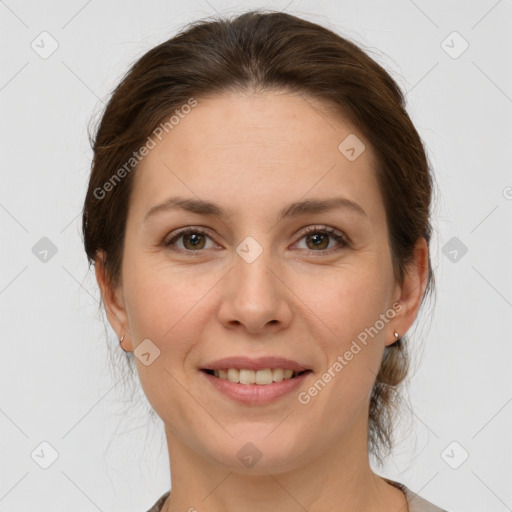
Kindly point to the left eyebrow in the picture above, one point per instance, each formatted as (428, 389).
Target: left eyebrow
(319, 206)
(295, 209)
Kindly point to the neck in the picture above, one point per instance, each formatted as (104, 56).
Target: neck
(338, 478)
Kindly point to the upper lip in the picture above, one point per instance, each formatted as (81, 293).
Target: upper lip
(259, 363)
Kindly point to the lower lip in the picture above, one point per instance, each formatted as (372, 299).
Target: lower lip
(255, 393)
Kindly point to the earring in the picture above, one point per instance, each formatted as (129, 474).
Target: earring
(121, 343)
(396, 342)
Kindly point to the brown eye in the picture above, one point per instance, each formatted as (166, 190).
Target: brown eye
(318, 238)
(318, 241)
(192, 240)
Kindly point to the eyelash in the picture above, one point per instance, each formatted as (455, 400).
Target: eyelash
(340, 238)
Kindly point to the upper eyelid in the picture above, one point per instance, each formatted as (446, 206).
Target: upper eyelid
(301, 233)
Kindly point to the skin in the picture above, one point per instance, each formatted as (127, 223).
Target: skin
(253, 154)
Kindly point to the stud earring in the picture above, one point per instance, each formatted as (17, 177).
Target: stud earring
(396, 342)
(121, 343)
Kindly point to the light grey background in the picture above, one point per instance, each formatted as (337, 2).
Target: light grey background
(55, 380)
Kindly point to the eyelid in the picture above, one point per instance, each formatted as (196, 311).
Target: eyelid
(342, 239)
(184, 231)
(323, 228)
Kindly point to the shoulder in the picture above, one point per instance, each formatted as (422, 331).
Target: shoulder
(419, 504)
(157, 507)
(416, 502)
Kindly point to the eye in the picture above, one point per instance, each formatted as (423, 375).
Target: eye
(317, 239)
(194, 239)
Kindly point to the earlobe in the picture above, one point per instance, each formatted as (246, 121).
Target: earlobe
(112, 299)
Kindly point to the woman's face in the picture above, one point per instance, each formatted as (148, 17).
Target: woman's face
(251, 281)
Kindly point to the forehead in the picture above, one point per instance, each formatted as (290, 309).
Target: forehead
(256, 147)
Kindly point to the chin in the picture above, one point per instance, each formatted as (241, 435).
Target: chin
(259, 450)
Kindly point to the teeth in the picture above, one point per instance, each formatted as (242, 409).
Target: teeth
(288, 374)
(247, 376)
(233, 375)
(261, 377)
(278, 375)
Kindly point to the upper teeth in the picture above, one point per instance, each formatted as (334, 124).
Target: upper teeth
(266, 376)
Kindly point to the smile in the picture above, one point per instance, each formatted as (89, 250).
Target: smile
(249, 388)
(262, 377)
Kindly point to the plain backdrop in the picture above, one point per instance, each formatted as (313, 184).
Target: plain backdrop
(60, 404)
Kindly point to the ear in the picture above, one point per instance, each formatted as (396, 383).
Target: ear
(113, 301)
(410, 292)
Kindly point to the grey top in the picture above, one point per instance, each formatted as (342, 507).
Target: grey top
(416, 503)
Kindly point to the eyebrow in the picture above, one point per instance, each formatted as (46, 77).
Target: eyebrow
(295, 209)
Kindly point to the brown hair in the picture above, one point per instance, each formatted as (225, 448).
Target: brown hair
(260, 51)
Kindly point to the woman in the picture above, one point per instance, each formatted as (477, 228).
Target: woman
(258, 218)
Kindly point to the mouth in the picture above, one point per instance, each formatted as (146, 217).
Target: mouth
(263, 377)
(255, 380)
(258, 387)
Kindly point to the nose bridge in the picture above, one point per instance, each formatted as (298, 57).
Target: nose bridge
(254, 295)
(253, 279)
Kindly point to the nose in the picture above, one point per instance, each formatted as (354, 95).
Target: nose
(255, 296)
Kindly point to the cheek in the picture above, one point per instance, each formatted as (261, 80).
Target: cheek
(168, 307)
(161, 299)
(351, 305)
(347, 300)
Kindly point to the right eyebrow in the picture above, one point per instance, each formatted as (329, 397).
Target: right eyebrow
(309, 206)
